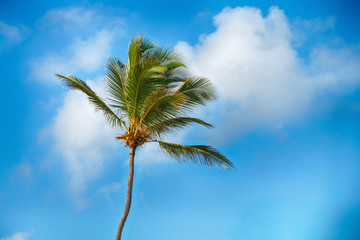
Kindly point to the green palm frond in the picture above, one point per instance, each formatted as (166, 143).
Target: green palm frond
(174, 75)
(198, 154)
(144, 75)
(137, 48)
(145, 45)
(174, 124)
(144, 81)
(149, 69)
(115, 83)
(160, 106)
(165, 56)
(78, 84)
(174, 64)
(198, 91)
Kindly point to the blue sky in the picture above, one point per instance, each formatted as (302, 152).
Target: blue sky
(288, 75)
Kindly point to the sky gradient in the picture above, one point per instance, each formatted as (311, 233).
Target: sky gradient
(287, 116)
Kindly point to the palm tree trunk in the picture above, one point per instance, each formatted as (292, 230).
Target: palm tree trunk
(128, 194)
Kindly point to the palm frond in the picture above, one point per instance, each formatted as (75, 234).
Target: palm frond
(150, 68)
(174, 75)
(160, 106)
(145, 45)
(143, 81)
(174, 124)
(115, 83)
(174, 64)
(78, 84)
(164, 55)
(137, 48)
(198, 91)
(143, 74)
(198, 154)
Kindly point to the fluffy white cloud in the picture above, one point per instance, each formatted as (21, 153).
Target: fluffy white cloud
(87, 56)
(19, 236)
(259, 74)
(83, 138)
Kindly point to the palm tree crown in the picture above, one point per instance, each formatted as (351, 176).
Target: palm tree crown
(150, 96)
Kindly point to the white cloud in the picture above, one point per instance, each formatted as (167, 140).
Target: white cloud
(19, 236)
(260, 77)
(12, 34)
(83, 138)
(87, 56)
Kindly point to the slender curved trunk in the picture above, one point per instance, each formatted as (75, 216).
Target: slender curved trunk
(128, 194)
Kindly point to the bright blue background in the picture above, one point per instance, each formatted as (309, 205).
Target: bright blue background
(305, 186)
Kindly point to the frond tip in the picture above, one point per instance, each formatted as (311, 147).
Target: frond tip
(78, 84)
(198, 154)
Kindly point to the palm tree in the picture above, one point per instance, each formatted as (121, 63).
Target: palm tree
(151, 96)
